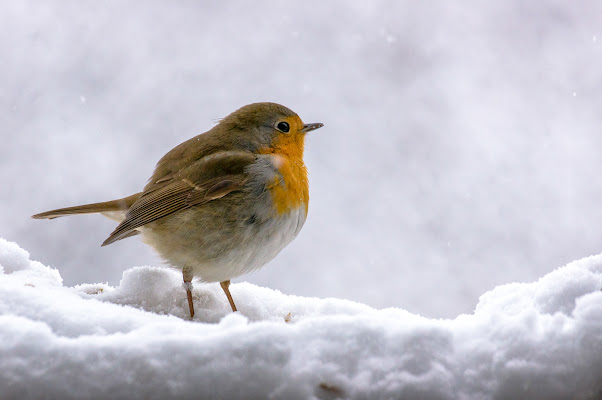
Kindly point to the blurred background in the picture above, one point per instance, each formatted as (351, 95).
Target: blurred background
(461, 147)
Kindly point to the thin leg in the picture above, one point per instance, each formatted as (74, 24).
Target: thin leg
(224, 286)
(188, 287)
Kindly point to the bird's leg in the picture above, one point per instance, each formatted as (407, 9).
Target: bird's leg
(188, 286)
(224, 286)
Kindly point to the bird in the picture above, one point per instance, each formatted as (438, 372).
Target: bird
(223, 203)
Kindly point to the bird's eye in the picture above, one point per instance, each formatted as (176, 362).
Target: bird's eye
(283, 126)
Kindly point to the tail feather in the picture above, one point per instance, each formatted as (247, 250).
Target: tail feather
(107, 206)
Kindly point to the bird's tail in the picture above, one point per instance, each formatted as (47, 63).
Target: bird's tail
(120, 205)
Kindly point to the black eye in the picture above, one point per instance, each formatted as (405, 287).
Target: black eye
(283, 126)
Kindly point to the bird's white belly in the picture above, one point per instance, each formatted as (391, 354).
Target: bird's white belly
(257, 247)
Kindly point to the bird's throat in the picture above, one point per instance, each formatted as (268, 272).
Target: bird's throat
(290, 189)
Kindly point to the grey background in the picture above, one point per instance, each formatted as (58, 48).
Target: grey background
(461, 146)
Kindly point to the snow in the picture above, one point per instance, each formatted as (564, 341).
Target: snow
(540, 340)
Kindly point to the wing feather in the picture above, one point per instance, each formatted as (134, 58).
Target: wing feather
(176, 192)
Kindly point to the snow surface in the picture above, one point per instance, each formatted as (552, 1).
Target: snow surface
(540, 340)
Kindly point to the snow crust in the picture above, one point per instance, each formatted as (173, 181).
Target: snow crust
(540, 340)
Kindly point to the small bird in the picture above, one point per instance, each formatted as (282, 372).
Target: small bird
(223, 203)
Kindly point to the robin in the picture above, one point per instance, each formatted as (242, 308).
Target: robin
(223, 203)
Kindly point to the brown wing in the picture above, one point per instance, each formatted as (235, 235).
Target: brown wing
(208, 179)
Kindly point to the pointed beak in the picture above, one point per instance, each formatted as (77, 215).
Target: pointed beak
(311, 127)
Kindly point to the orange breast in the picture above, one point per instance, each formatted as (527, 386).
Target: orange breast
(293, 191)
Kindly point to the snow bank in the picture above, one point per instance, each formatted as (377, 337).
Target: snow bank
(540, 340)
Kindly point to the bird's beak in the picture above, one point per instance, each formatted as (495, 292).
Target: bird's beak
(311, 127)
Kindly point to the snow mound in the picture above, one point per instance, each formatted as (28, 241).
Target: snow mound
(540, 340)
